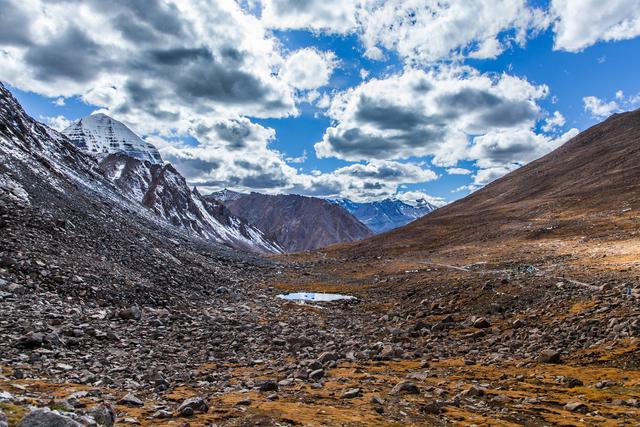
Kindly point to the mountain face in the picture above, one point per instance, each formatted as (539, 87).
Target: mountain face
(100, 135)
(33, 155)
(226, 195)
(385, 215)
(298, 223)
(165, 192)
(590, 186)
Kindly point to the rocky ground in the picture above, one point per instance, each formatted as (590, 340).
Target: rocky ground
(425, 343)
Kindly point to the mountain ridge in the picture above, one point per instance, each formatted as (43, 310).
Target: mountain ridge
(297, 223)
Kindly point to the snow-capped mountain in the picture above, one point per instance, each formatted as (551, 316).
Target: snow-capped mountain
(387, 214)
(100, 135)
(41, 168)
(162, 189)
(225, 195)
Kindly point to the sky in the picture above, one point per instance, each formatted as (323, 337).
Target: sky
(364, 99)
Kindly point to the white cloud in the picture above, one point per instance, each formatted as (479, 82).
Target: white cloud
(300, 159)
(332, 16)
(599, 108)
(500, 152)
(59, 102)
(458, 171)
(420, 113)
(58, 123)
(582, 23)
(308, 68)
(155, 65)
(555, 121)
(431, 30)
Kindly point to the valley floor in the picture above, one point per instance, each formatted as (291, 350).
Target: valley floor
(530, 340)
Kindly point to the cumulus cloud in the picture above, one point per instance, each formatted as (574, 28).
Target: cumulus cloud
(601, 109)
(581, 23)
(499, 152)
(157, 62)
(364, 181)
(420, 113)
(458, 171)
(308, 68)
(554, 121)
(419, 31)
(431, 30)
(58, 123)
(332, 16)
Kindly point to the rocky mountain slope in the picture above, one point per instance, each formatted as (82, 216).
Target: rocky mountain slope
(226, 195)
(387, 214)
(100, 135)
(589, 186)
(297, 223)
(163, 190)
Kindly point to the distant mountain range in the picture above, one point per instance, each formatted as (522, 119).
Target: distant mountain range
(387, 214)
(253, 222)
(296, 223)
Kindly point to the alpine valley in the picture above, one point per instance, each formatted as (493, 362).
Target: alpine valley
(285, 213)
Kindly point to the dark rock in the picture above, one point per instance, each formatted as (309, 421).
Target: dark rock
(549, 356)
(47, 418)
(352, 393)
(31, 340)
(104, 415)
(576, 407)
(266, 385)
(405, 387)
(131, 313)
(481, 323)
(193, 405)
(130, 400)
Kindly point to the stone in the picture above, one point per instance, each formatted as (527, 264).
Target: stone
(193, 405)
(104, 415)
(481, 323)
(132, 313)
(31, 340)
(162, 414)
(352, 393)
(3, 420)
(377, 400)
(47, 418)
(549, 356)
(131, 400)
(473, 391)
(266, 385)
(432, 408)
(519, 323)
(405, 387)
(317, 374)
(576, 407)
(327, 357)
(387, 352)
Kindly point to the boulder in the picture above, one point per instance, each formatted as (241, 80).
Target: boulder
(47, 418)
(194, 405)
(405, 387)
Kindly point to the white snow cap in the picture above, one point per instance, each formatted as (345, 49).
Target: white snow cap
(99, 134)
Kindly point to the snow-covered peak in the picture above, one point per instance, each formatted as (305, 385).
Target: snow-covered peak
(100, 135)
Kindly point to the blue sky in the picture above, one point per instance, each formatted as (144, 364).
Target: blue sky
(321, 98)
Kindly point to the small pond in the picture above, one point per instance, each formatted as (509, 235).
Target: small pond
(314, 296)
